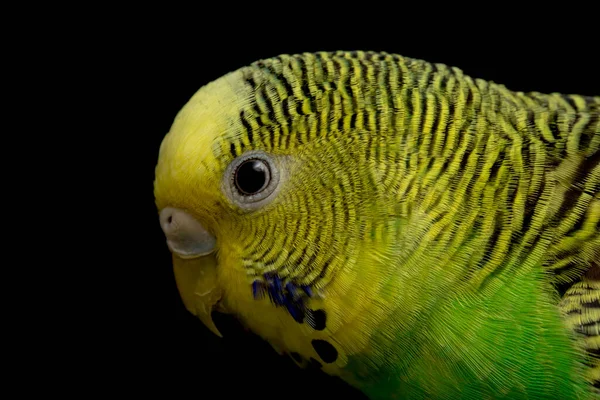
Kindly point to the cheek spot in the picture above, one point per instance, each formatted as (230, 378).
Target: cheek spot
(317, 319)
(289, 295)
(325, 350)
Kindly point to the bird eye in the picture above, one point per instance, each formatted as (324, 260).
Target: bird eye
(251, 180)
(252, 176)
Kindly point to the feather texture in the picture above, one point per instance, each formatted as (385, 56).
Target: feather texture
(448, 226)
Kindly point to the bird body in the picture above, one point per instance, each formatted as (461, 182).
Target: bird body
(415, 231)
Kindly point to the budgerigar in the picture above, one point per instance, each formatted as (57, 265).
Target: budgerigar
(418, 232)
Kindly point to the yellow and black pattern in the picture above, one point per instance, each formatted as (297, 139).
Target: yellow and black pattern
(437, 138)
(505, 175)
(445, 223)
(581, 304)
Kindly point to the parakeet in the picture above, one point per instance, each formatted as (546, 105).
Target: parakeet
(420, 233)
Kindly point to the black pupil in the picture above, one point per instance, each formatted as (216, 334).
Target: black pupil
(251, 176)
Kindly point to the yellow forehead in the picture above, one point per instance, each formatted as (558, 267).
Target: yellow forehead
(189, 162)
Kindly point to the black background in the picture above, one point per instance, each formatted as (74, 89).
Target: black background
(160, 64)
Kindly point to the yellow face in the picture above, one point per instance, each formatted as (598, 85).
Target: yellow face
(201, 211)
(263, 203)
(231, 210)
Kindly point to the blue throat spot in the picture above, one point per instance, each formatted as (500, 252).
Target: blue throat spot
(288, 295)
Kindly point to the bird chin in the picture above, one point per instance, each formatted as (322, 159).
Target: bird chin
(198, 287)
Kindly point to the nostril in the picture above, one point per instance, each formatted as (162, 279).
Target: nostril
(167, 220)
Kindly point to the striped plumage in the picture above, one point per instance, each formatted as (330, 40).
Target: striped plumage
(449, 227)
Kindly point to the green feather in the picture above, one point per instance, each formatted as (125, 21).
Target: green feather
(452, 225)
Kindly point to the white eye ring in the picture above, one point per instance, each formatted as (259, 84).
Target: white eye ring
(261, 195)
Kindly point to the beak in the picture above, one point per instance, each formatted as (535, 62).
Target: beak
(194, 263)
(197, 284)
